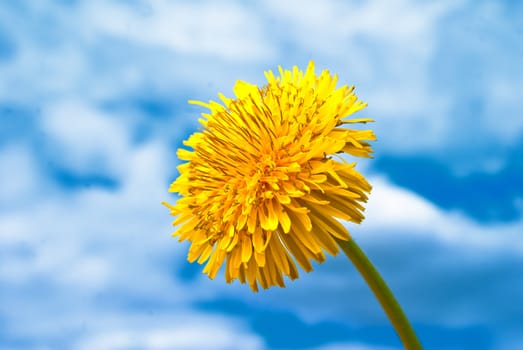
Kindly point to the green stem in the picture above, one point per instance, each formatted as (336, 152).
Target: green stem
(382, 293)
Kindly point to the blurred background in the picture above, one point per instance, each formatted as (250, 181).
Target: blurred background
(93, 105)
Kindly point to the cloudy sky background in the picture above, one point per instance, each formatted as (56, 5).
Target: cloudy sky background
(93, 104)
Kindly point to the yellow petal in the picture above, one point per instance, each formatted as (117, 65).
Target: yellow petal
(284, 219)
(263, 215)
(251, 271)
(214, 263)
(260, 239)
(300, 213)
(333, 226)
(272, 217)
(260, 258)
(251, 222)
(236, 258)
(246, 248)
(242, 220)
(205, 254)
(297, 252)
(280, 256)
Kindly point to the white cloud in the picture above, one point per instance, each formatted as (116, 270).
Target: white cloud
(85, 239)
(187, 332)
(396, 209)
(19, 180)
(504, 110)
(85, 139)
(87, 272)
(226, 31)
(100, 51)
(333, 25)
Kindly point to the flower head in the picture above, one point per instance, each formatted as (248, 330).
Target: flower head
(263, 187)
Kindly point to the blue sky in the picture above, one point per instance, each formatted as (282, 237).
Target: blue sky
(93, 104)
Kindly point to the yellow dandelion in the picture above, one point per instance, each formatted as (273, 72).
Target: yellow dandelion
(264, 186)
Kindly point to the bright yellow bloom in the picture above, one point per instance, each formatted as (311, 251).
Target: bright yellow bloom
(261, 189)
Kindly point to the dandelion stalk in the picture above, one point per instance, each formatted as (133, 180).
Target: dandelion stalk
(382, 292)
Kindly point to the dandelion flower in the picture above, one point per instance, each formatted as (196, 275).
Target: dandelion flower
(265, 185)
